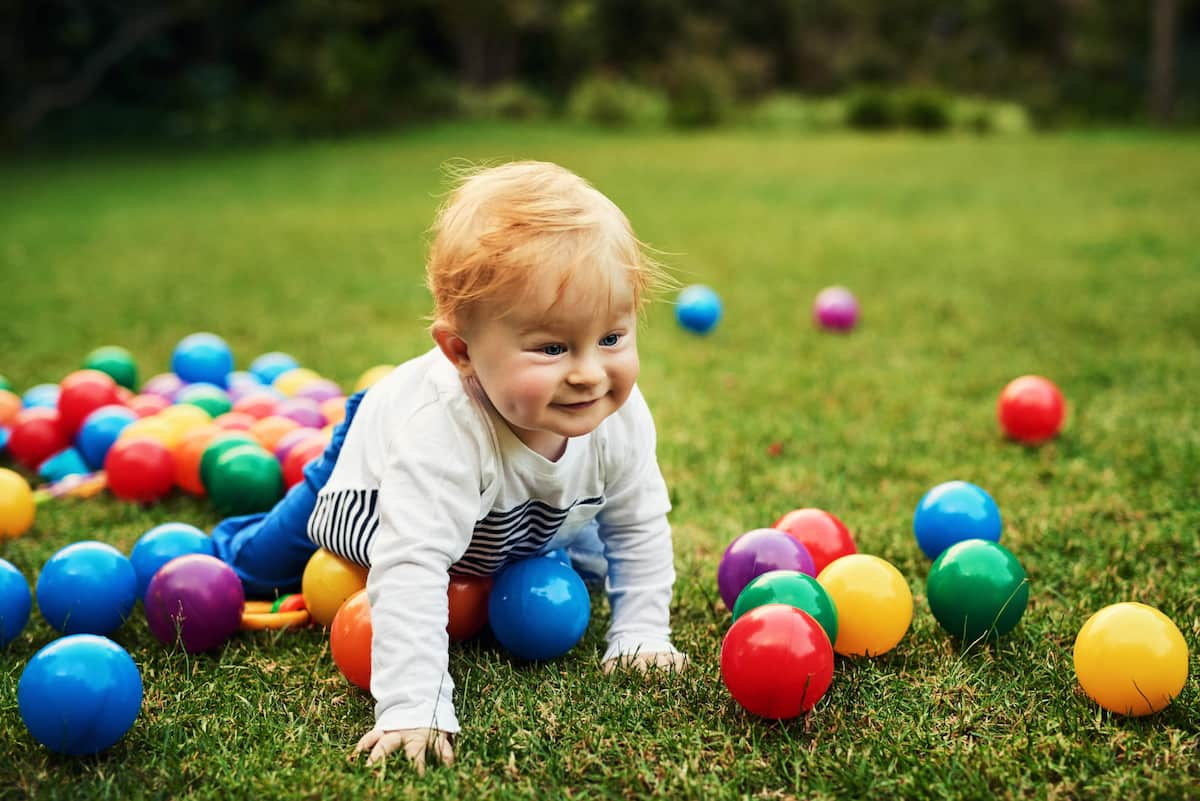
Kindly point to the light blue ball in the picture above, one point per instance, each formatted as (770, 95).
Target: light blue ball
(203, 357)
(79, 694)
(163, 543)
(15, 602)
(698, 309)
(87, 588)
(952, 512)
(41, 395)
(270, 366)
(100, 430)
(539, 608)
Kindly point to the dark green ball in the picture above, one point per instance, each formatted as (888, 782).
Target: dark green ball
(116, 362)
(792, 588)
(977, 589)
(217, 447)
(245, 479)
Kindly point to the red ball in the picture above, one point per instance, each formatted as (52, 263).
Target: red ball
(350, 639)
(299, 457)
(468, 598)
(139, 469)
(825, 537)
(80, 394)
(37, 434)
(1031, 409)
(777, 661)
(257, 404)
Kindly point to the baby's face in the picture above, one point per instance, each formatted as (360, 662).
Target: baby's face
(556, 369)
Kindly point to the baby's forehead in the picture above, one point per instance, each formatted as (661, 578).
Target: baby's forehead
(557, 302)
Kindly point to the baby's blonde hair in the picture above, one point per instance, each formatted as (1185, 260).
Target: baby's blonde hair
(503, 225)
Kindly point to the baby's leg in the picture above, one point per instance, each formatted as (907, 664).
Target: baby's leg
(587, 554)
(269, 550)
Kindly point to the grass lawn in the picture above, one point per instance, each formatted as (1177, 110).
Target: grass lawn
(975, 261)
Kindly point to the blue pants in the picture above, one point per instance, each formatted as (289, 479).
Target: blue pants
(269, 550)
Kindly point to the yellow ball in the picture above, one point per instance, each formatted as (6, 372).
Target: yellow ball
(294, 380)
(16, 504)
(184, 418)
(372, 376)
(1131, 659)
(154, 427)
(328, 581)
(874, 604)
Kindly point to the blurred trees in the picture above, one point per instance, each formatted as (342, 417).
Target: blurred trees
(269, 67)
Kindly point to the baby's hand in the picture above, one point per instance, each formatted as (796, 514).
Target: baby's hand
(671, 661)
(413, 742)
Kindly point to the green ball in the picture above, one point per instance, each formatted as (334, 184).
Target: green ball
(793, 588)
(117, 362)
(215, 449)
(5, 383)
(977, 589)
(245, 479)
(211, 399)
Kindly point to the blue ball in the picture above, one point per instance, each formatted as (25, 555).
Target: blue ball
(87, 588)
(67, 462)
(270, 366)
(100, 430)
(952, 512)
(538, 608)
(163, 543)
(15, 602)
(41, 395)
(79, 694)
(202, 357)
(698, 309)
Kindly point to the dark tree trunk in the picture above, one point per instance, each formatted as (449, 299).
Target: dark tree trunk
(1163, 23)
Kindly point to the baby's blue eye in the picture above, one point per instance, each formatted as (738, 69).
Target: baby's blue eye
(610, 340)
(553, 350)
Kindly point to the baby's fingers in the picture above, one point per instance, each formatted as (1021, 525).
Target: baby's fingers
(365, 743)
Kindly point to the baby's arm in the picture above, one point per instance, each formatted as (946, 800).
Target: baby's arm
(429, 499)
(637, 545)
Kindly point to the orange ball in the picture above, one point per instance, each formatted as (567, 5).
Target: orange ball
(350, 640)
(188, 453)
(10, 406)
(235, 421)
(333, 410)
(147, 405)
(468, 597)
(269, 430)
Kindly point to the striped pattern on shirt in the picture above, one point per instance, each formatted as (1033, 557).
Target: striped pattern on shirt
(345, 523)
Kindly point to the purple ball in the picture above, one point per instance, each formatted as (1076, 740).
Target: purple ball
(165, 385)
(305, 411)
(836, 309)
(291, 439)
(320, 390)
(757, 552)
(196, 599)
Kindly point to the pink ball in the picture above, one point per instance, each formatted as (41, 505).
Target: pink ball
(835, 309)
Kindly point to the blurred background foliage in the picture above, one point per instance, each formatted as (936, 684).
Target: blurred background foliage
(248, 69)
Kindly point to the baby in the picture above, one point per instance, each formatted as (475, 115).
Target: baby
(522, 432)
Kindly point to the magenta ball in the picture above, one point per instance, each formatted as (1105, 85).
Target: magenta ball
(196, 600)
(756, 552)
(320, 390)
(293, 438)
(164, 385)
(304, 411)
(836, 309)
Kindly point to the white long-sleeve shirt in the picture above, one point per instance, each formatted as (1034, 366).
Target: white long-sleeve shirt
(430, 480)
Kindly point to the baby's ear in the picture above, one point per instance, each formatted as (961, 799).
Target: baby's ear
(453, 347)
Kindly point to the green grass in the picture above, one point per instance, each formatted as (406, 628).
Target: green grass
(975, 260)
